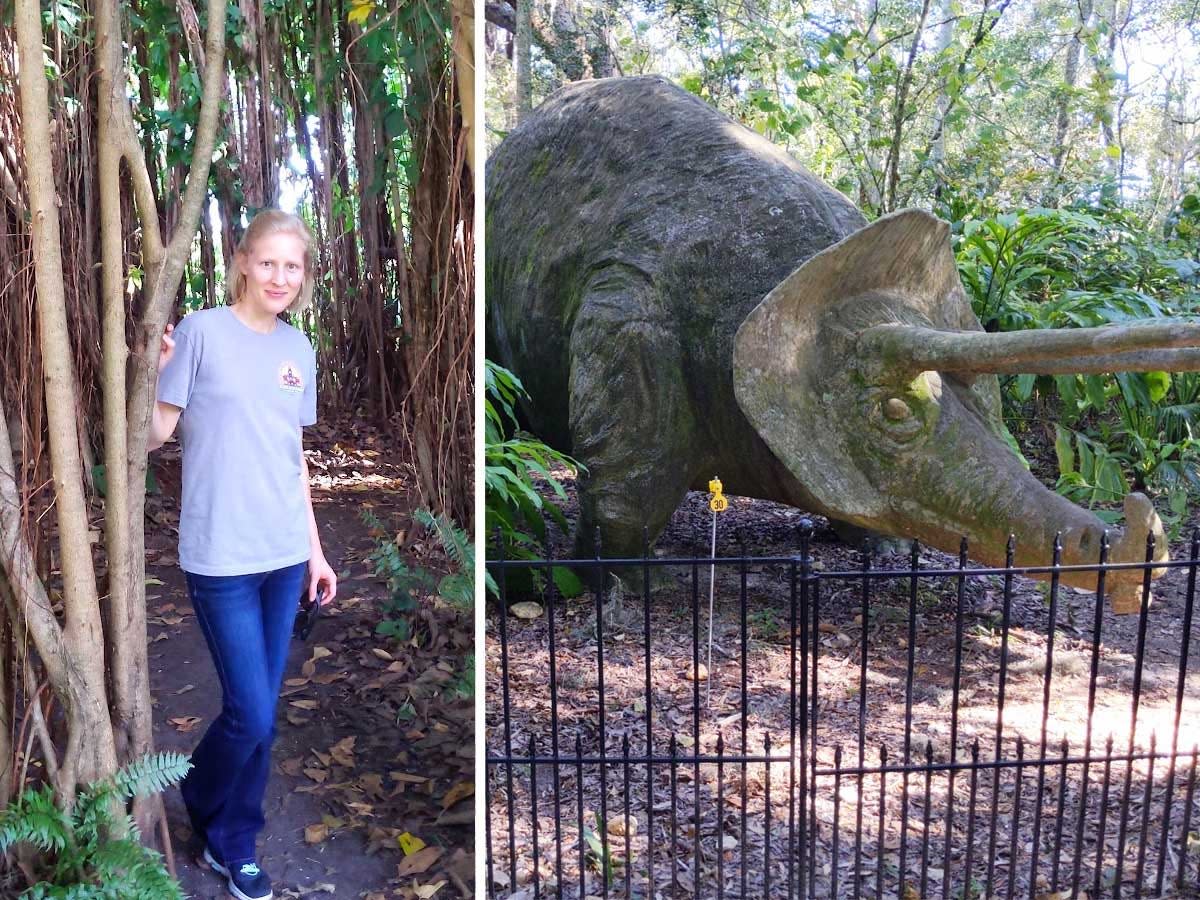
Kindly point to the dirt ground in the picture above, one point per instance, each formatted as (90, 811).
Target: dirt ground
(372, 741)
(741, 843)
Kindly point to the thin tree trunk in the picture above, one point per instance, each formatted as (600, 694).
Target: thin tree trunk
(901, 109)
(129, 705)
(1062, 116)
(464, 69)
(524, 80)
(91, 753)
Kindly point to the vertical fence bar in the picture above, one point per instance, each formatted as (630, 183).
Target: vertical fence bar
(792, 624)
(1047, 678)
(579, 815)
(628, 813)
(1181, 875)
(1147, 799)
(1006, 617)
(967, 884)
(837, 824)
(813, 829)
(720, 816)
(1014, 846)
(551, 625)
(601, 582)
(649, 716)
(1184, 650)
(1064, 749)
(674, 750)
(1091, 711)
(960, 598)
(1138, 661)
(925, 821)
(881, 850)
(802, 873)
(696, 718)
(745, 709)
(767, 817)
(533, 817)
(506, 710)
(487, 826)
(862, 712)
(1108, 748)
(908, 704)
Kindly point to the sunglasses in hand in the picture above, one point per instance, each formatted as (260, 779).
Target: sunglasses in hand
(308, 613)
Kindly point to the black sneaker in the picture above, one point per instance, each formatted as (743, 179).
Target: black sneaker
(246, 881)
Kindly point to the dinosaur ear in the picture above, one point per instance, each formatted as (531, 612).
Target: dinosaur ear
(780, 373)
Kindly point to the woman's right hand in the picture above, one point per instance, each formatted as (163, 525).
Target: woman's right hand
(168, 348)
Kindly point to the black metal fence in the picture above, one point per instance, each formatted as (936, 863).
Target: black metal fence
(919, 731)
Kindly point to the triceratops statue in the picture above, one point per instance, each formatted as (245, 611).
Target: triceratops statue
(680, 298)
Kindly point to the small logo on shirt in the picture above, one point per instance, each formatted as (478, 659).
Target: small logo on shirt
(289, 378)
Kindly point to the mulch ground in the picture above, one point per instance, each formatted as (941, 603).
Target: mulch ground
(375, 751)
(696, 831)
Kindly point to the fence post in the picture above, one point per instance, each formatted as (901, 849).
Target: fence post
(806, 531)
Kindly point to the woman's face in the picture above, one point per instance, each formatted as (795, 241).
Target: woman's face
(274, 270)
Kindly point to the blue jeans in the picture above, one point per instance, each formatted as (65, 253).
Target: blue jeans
(247, 622)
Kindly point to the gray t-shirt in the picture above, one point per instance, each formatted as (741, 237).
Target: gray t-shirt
(245, 397)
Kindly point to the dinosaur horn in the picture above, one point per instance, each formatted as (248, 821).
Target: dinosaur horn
(1170, 347)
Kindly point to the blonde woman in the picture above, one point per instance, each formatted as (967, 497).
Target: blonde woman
(241, 384)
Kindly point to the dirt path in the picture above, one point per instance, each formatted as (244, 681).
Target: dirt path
(372, 740)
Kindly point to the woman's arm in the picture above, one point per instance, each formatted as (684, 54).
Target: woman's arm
(164, 416)
(319, 570)
(162, 424)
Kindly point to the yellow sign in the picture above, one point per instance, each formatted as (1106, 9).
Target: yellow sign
(717, 502)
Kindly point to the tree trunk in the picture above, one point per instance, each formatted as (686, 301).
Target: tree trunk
(524, 81)
(90, 750)
(1062, 117)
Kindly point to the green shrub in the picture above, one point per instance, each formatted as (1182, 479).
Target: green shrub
(404, 582)
(81, 859)
(1086, 267)
(514, 461)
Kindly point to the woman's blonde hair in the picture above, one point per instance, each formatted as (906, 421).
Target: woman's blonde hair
(276, 221)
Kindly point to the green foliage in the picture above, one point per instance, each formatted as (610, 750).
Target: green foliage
(1086, 267)
(82, 858)
(457, 588)
(514, 463)
(406, 583)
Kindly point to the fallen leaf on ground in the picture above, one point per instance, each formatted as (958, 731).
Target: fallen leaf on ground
(304, 704)
(458, 792)
(418, 862)
(409, 843)
(315, 834)
(185, 723)
(310, 665)
(343, 752)
(424, 892)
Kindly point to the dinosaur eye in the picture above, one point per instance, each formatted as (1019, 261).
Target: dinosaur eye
(896, 410)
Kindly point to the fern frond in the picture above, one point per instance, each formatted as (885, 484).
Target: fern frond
(152, 773)
(454, 540)
(33, 818)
